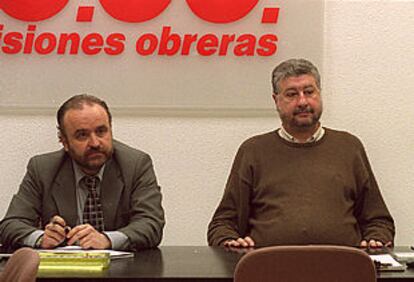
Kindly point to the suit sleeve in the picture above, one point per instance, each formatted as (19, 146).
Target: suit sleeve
(146, 222)
(230, 220)
(23, 214)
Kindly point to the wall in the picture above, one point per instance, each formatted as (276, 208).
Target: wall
(368, 87)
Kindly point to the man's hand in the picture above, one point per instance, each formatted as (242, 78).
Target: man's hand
(246, 242)
(54, 233)
(374, 244)
(88, 237)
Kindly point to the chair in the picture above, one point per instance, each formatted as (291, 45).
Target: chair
(21, 267)
(319, 263)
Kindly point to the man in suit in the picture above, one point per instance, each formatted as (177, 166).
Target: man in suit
(95, 192)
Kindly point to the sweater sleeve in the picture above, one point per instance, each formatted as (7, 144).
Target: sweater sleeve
(371, 212)
(230, 219)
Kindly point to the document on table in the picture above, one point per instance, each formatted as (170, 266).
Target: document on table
(404, 256)
(4, 255)
(388, 263)
(77, 249)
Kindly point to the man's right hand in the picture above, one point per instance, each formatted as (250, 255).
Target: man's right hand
(246, 242)
(54, 233)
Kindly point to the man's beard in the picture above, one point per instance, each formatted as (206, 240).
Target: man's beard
(304, 125)
(300, 125)
(91, 165)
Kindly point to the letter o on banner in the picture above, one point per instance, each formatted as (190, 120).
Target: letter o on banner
(147, 44)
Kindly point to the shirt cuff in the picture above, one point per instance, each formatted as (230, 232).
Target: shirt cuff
(31, 239)
(119, 240)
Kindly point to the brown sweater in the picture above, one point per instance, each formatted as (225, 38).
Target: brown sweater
(283, 193)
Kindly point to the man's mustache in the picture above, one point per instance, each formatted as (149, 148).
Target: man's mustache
(307, 109)
(93, 151)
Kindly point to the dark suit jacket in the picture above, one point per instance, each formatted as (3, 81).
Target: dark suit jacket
(130, 197)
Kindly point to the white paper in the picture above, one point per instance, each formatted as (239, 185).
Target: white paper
(404, 256)
(388, 263)
(76, 249)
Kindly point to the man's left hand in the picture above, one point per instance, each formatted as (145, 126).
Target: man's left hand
(88, 237)
(374, 244)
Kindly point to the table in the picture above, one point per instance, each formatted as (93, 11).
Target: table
(183, 263)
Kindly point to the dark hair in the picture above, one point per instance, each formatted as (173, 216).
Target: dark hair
(294, 67)
(77, 102)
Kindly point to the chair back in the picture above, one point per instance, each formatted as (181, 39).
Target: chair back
(22, 266)
(319, 263)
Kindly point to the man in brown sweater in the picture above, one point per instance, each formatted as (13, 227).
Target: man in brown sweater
(302, 183)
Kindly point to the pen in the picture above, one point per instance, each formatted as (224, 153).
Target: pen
(66, 229)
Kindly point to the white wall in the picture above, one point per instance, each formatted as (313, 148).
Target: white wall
(368, 87)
